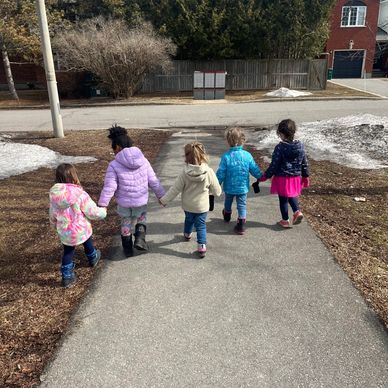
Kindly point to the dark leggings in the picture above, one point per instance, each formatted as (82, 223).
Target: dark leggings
(68, 251)
(284, 201)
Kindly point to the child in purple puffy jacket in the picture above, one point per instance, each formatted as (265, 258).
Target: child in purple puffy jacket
(128, 178)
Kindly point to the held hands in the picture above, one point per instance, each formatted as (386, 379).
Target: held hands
(305, 181)
(263, 178)
(161, 203)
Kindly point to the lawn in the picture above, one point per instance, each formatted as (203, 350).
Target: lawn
(30, 98)
(34, 309)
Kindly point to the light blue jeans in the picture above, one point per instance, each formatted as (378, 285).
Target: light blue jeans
(241, 200)
(197, 220)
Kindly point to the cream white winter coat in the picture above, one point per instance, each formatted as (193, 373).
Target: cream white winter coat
(195, 183)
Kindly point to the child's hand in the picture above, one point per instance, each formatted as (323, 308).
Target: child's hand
(305, 181)
(263, 178)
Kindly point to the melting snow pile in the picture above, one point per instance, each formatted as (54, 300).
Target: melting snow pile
(356, 141)
(16, 158)
(284, 92)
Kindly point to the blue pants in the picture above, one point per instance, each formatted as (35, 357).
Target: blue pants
(68, 251)
(197, 220)
(284, 201)
(241, 200)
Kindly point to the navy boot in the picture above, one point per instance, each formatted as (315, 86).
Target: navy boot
(68, 275)
(94, 258)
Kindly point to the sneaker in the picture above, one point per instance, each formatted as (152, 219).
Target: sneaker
(239, 228)
(227, 216)
(298, 217)
(187, 236)
(201, 250)
(284, 224)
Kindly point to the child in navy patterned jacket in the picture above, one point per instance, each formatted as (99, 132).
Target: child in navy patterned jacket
(290, 172)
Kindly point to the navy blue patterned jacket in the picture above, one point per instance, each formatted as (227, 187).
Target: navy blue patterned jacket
(288, 159)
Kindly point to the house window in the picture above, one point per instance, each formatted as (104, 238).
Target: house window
(353, 14)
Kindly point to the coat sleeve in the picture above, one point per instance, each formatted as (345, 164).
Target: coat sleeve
(154, 183)
(305, 166)
(177, 188)
(254, 169)
(110, 187)
(221, 172)
(214, 188)
(90, 209)
(275, 163)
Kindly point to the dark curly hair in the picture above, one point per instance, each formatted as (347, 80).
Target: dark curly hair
(287, 128)
(119, 137)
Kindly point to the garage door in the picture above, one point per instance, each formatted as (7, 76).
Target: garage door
(348, 64)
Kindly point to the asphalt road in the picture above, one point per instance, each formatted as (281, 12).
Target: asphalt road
(178, 116)
(267, 309)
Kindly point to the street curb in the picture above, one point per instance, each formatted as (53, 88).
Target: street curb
(266, 100)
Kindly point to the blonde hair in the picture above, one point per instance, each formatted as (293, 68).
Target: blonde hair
(235, 136)
(66, 173)
(195, 153)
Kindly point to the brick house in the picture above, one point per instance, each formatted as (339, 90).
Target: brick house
(351, 45)
(381, 56)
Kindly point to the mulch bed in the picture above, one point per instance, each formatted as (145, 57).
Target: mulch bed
(34, 309)
(354, 232)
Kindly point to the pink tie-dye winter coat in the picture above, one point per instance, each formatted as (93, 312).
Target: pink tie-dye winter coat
(128, 178)
(71, 210)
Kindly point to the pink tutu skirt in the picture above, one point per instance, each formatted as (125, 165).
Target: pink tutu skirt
(286, 186)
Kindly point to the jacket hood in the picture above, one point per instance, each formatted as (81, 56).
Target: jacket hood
(131, 158)
(291, 150)
(64, 195)
(196, 173)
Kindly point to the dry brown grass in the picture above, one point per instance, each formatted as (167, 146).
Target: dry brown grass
(34, 309)
(354, 232)
(30, 98)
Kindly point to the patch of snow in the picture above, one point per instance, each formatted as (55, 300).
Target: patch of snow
(17, 158)
(359, 141)
(285, 92)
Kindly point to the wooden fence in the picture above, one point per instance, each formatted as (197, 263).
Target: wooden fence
(244, 74)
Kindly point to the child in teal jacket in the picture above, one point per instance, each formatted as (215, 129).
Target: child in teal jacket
(233, 173)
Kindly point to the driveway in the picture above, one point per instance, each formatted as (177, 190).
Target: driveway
(378, 86)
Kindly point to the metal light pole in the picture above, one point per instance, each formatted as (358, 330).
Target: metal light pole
(50, 70)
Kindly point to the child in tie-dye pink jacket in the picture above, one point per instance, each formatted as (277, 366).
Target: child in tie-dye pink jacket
(71, 210)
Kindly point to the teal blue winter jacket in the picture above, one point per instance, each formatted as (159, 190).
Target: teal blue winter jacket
(234, 169)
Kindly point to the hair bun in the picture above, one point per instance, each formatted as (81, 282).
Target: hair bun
(116, 131)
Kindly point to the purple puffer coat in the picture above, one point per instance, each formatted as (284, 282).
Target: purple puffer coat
(128, 178)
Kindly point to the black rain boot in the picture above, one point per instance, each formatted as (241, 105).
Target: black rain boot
(68, 275)
(239, 228)
(227, 216)
(126, 241)
(140, 233)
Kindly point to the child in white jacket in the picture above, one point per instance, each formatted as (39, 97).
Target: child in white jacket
(196, 182)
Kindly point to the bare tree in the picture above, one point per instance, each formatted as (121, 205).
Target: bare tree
(120, 57)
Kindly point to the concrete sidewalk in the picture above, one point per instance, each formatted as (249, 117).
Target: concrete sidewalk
(267, 309)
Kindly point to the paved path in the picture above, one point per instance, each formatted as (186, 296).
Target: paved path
(178, 116)
(378, 86)
(268, 309)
